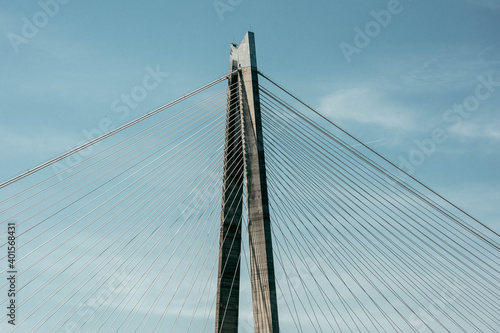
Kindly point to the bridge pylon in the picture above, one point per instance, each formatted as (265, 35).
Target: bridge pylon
(244, 163)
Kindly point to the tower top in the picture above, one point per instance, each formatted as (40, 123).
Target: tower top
(244, 54)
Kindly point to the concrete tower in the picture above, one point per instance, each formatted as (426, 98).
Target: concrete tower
(244, 156)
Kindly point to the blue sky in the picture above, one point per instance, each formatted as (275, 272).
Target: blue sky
(401, 90)
(63, 78)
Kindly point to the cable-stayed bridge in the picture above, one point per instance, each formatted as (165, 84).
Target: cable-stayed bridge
(239, 208)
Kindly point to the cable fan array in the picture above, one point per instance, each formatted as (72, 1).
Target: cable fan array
(358, 249)
(127, 239)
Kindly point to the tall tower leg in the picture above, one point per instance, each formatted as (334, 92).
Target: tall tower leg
(244, 156)
(228, 286)
(265, 308)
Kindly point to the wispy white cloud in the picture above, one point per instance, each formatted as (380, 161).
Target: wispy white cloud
(470, 129)
(365, 105)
